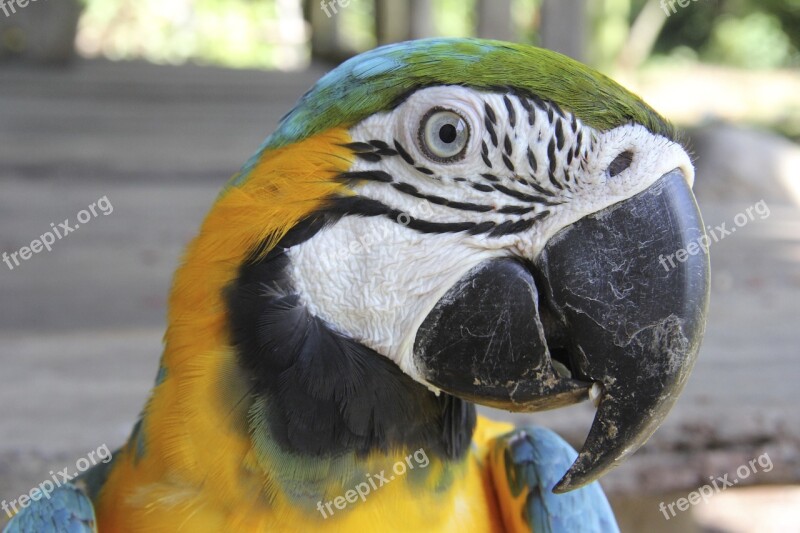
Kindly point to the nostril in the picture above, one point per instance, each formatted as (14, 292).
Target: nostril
(621, 163)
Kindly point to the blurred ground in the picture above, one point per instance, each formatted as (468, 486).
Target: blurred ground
(80, 326)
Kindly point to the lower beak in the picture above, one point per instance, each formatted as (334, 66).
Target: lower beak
(615, 303)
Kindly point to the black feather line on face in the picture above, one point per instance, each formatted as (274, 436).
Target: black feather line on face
(512, 113)
(380, 145)
(371, 157)
(329, 395)
(554, 181)
(410, 190)
(510, 227)
(524, 197)
(516, 210)
(551, 155)
(491, 130)
(561, 140)
(538, 102)
(485, 154)
(509, 165)
(532, 161)
(365, 175)
(558, 110)
(541, 190)
(490, 114)
(526, 104)
(481, 187)
(403, 153)
(359, 147)
(367, 207)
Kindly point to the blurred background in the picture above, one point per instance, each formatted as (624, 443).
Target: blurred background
(154, 104)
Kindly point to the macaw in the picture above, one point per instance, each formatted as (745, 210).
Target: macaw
(436, 224)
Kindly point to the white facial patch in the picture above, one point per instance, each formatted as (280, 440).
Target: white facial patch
(528, 170)
(376, 280)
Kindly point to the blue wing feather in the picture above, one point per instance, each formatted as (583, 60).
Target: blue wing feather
(535, 459)
(67, 510)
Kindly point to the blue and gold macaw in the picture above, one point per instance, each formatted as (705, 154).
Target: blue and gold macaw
(436, 224)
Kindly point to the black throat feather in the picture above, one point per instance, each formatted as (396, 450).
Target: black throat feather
(328, 394)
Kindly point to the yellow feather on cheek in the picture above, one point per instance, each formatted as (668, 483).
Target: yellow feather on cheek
(282, 188)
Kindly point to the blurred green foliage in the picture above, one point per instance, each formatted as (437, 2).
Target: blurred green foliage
(740, 33)
(753, 41)
(272, 33)
(357, 24)
(237, 33)
(454, 18)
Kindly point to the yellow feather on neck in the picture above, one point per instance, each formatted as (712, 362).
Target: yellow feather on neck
(195, 425)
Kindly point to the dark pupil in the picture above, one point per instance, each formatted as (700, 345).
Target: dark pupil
(448, 133)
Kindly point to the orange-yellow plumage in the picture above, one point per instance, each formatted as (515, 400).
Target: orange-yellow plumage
(186, 417)
(199, 472)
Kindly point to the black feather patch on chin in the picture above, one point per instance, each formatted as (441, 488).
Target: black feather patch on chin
(328, 394)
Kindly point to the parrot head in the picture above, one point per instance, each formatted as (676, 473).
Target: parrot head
(493, 223)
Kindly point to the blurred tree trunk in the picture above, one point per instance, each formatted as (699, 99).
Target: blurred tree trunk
(292, 33)
(400, 21)
(326, 42)
(40, 31)
(494, 20)
(642, 36)
(564, 27)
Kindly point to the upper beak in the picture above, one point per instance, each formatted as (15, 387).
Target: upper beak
(608, 302)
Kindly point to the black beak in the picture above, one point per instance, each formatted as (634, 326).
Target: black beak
(615, 302)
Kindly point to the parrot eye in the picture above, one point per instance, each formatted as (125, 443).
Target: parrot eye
(443, 135)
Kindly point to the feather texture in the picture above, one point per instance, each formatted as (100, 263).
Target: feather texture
(526, 464)
(65, 510)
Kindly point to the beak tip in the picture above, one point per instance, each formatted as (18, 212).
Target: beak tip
(582, 472)
(563, 486)
(573, 480)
